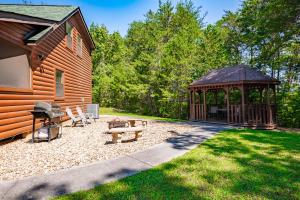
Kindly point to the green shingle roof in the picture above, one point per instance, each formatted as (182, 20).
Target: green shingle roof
(53, 13)
(39, 35)
(49, 12)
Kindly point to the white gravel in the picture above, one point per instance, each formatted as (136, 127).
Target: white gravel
(78, 146)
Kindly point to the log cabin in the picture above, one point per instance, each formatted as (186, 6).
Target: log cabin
(45, 55)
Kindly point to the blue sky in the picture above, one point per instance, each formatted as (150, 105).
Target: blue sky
(116, 15)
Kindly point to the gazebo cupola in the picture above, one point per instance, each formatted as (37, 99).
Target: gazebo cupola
(238, 95)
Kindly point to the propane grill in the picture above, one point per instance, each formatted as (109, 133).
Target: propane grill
(51, 114)
(47, 110)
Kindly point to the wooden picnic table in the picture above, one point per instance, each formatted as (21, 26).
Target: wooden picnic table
(117, 123)
(132, 122)
(125, 123)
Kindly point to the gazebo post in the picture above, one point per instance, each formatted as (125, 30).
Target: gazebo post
(227, 102)
(270, 117)
(191, 104)
(199, 96)
(261, 95)
(243, 105)
(216, 95)
(198, 111)
(193, 100)
(204, 103)
(275, 103)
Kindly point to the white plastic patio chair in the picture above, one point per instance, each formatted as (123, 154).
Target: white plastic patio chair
(75, 119)
(82, 115)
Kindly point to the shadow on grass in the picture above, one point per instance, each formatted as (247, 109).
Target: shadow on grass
(151, 184)
(268, 161)
(233, 165)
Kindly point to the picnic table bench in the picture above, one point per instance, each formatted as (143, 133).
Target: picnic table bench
(117, 133)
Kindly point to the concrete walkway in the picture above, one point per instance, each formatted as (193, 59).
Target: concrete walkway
(87, 177)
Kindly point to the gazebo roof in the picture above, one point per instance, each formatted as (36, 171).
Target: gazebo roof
(234, 74)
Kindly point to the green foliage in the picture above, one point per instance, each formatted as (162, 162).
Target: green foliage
(267, 36)
(235, 164)
(148, 71)
(112, 76)
(289, 107)
(157, 61)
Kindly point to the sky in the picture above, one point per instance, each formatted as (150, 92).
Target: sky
(116, 15)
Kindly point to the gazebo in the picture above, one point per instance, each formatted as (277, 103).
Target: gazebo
(237, 95)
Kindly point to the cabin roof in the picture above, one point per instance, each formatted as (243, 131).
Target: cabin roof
(233, 74)
(45, 16)
(48, 12)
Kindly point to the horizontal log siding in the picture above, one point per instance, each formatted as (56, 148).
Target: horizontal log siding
(15, 107)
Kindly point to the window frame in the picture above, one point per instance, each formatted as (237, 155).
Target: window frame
(77, 44)
(21, 90)
(63, 80)
(71, 35)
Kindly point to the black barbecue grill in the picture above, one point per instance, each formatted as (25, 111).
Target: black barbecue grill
(51, 114)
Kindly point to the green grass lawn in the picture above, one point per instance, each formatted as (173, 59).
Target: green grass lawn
(112, 111)
(235, 164)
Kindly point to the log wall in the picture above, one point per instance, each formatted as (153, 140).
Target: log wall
(15, 105)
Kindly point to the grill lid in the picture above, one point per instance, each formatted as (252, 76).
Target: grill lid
(41, 105)
(47, 109)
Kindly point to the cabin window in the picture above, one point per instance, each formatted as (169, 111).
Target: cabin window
(79, 45)
(15, 72)
(69, 31)
(59, 77)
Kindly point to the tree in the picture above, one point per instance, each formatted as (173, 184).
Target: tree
(266, 33)
(163, 51)
(149, 70)
(111, 72)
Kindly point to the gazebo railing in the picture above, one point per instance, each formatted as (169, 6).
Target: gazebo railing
(259, 114)
(235, 114)
(255, 114)
(199, 113)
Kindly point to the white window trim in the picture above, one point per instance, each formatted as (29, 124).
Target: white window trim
(71, 35)
(63, 83)
(14, 88)
(79, 53)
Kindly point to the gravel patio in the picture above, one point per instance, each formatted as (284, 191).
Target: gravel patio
(79, 146)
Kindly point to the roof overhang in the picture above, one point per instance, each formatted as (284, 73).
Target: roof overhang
(32, 42)
(87, 30)
(234, 83)
(49, 25)
(24, 19)
(55, 25)
(236, 75)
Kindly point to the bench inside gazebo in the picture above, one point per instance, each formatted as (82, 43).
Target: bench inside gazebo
(239, 95)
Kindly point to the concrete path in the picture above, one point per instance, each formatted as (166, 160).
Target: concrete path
(87, 177)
